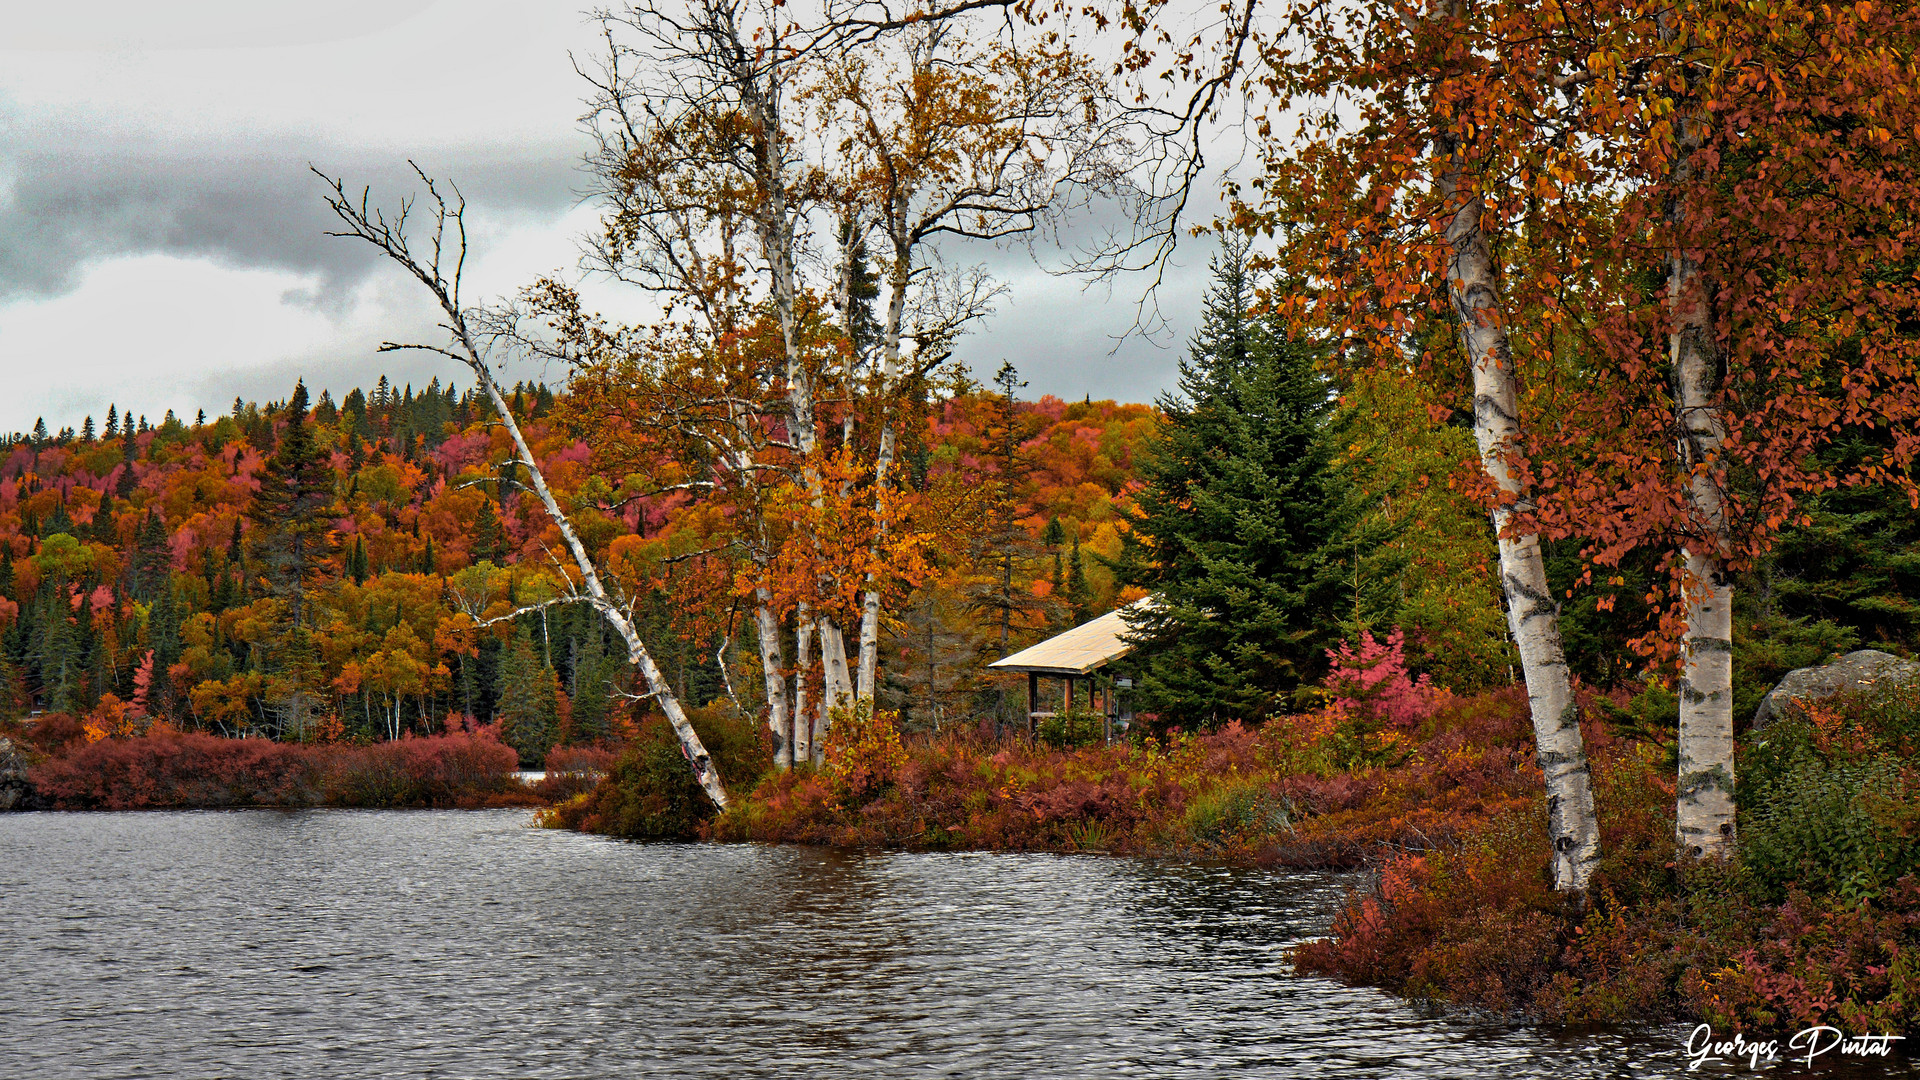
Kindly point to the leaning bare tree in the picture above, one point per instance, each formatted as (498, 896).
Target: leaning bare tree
(439, 268)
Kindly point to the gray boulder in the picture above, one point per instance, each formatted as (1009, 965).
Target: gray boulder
(15, 792)
(1865, 670)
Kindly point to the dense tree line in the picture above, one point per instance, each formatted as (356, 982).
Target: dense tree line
(349, 569)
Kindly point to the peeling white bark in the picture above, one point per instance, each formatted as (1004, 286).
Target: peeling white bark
(1704, 811)
(1573, 826)
(803, 724)
(767, 630)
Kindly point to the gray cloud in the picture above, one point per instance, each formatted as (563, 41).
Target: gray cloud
(64, 204)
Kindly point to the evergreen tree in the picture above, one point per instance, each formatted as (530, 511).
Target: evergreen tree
(528, 701)
(151, 559)
(594, 673)
(1240, 510)
(236, 558)
(58, 522)
(124, 486)
(1053, 538)
(489, 540)
(86, 430)
(113, 422)
(295, 489)
(1079, 593)
(1008, 549)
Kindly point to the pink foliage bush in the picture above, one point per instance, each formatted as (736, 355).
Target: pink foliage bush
(1371, 683)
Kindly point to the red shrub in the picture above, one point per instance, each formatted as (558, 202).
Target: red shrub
(180, 770)
(176, 770)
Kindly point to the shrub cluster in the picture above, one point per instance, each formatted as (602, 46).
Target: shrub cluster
(649, 792)
(1304, 790)
(458, 769)
(1816, 922)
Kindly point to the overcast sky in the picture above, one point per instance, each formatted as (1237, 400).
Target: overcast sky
(161, 241)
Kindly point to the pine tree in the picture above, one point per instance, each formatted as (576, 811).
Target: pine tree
(113, 422)
(86, 429)
(1240, 509)
(291, 531)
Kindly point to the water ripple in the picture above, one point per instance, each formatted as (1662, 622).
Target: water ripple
(336, 943)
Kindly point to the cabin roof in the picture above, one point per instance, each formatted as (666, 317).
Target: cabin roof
(1078, 650)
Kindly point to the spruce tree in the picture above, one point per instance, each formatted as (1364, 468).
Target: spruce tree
(528, 702)
(1240, 510)
(295, 489)
(152, 559)
(1008, 549)
(594, 672)
(357, 560)
(488, 538)
(1053, 537)
(1079, 593)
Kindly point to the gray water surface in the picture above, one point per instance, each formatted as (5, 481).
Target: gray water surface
(398, 944)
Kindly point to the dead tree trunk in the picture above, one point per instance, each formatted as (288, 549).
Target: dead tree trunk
(391, 238)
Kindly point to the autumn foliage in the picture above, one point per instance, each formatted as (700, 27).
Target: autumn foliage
(204, 771)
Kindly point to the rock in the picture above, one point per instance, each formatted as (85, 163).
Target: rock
(15, 792)
(1856, 671)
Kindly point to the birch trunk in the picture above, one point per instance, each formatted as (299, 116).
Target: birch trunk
(1704, 814)
(833, 669)
(767, 629)
(900, 278)
(803, 746)
(1573, 827)
(658, 688)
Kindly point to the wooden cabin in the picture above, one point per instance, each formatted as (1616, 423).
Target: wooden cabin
(1074, 659)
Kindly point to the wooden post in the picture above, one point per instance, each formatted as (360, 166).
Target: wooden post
(1033, 700)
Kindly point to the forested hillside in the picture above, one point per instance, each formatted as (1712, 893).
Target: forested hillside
(336, 571)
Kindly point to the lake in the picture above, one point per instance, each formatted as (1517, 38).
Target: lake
(363, 943)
